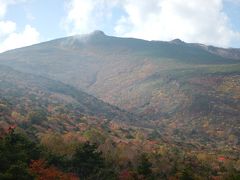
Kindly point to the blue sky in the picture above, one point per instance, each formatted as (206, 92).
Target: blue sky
(233, 12)
(213, 22)
(44, 15)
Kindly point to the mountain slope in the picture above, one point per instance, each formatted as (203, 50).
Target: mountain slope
(188, 91)
(119, 71)
(38, 92)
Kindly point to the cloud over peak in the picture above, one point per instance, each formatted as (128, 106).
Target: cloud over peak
(201, 21)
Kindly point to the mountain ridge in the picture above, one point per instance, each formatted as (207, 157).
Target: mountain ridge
(100, 34)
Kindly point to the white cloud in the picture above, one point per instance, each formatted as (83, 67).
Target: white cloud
(200, 21)
(14, 40)
(7, 27)
(194, 21)
(10, 38)
(2, 9)
(85, 16)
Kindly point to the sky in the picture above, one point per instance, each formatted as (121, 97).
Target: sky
(211, 22)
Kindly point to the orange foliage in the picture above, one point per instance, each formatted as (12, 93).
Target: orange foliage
(43, 172)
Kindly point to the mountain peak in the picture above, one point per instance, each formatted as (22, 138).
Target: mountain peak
(93, 36)
(177, 41)
(97, 33)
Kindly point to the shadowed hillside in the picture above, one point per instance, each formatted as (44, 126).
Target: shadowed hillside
(38, 92)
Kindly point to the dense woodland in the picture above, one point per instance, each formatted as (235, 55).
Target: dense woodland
(56, 156)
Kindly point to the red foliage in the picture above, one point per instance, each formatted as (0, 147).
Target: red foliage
(221, 158)
(126, 175)
(43, 172)
(9, 130)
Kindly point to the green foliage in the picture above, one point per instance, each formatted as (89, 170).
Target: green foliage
(87, 161)
(186, 175)
(144, 166)
(56, 144)
(37, 116)
(154, 135)
(95, 136)
(4, 109)
(16, 152)
(18, 170)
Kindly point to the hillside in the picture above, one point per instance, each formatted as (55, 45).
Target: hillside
(26, 93)
(183, 89)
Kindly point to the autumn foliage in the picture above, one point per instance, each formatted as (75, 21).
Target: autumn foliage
(126, 175)
(44, 172)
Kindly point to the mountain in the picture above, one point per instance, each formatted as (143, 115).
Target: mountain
(184, 89)
(122, 108)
